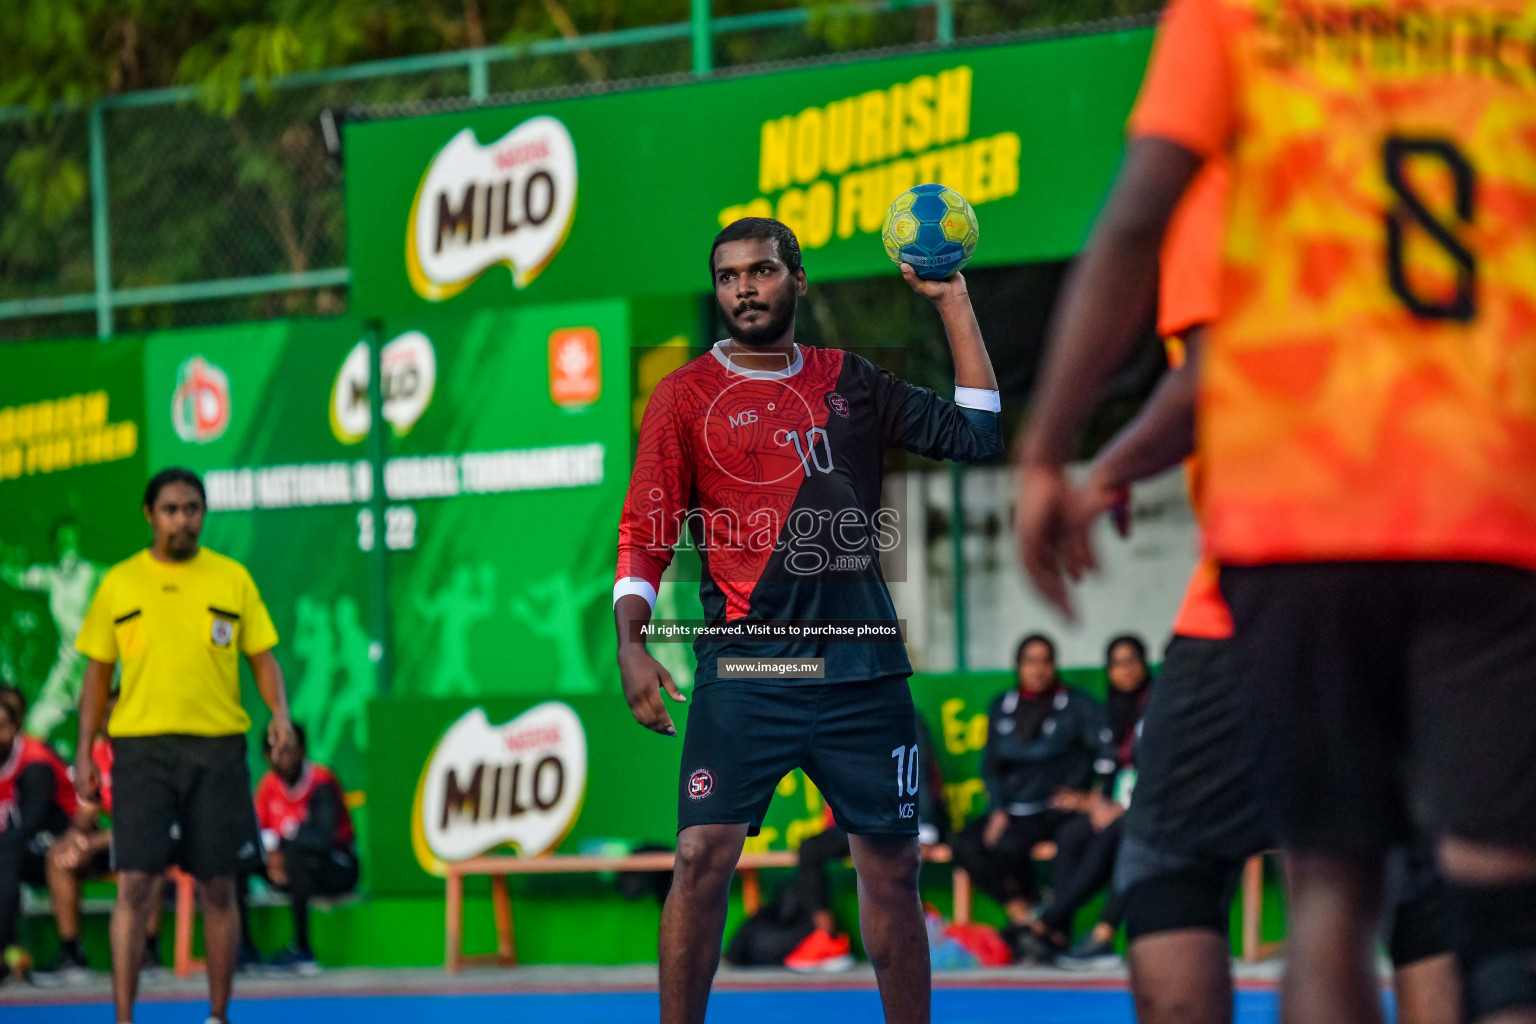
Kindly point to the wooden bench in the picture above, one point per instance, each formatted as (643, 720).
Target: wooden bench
(186, 908)
(748, 867)
(1254, 946)
(499, 867)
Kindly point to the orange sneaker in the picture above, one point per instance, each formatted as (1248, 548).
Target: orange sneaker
(820, 952)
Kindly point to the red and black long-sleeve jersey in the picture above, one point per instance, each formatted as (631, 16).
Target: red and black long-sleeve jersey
(776, 476)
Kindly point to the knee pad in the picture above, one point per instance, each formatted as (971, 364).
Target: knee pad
(1494, 932)
(1190, 898)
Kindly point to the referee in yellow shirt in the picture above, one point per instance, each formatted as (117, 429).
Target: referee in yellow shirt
(177, 617)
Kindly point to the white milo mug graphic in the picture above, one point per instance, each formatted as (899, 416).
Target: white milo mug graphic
(509, 202)
(520, 783)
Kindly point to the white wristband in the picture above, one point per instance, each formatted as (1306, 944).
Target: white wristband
(978, 398)
(635, 585)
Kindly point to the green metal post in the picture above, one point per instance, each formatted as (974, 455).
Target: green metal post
(378, 560)
(957, 549)
(944, 21)
(703, 57)
(101, 241)
(479, 76)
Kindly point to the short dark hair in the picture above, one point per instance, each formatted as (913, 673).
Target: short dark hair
(298, 734)
(14, 702)
(766, 229)
(173, 475)
(1034, 638)
(1126, 638)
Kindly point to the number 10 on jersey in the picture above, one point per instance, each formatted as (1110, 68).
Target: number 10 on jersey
(906, 770)
(814, 449)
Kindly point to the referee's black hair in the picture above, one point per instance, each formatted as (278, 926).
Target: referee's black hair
(298, 734)
(1126, 638)
(173, 475)
(1034, 638)
(766, 229)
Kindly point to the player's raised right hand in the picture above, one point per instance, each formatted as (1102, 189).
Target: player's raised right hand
(644, 678)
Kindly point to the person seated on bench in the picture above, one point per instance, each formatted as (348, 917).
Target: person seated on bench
(1087, 845)
(307, 833)
(37, 802)
(1043, 738)
(83, 853)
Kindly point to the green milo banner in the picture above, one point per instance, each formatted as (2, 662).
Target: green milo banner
(71, 478)
(452, 779)
(522, 276)
(621, 194)
(250, 407)
(509, 486)
(505, 444)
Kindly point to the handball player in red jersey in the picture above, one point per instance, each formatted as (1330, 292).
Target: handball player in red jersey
(771, 454)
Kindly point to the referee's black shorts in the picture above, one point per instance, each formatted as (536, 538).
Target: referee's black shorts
(1367, 674)
(182, 800)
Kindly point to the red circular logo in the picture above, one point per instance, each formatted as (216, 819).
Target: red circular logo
(700, 783)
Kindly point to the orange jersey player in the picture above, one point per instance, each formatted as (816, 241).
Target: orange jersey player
(1197, 816)
(1367, 439)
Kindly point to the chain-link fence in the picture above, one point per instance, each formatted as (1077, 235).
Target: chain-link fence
(212, 217)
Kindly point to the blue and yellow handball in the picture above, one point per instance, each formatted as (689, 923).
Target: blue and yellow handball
(933, 229)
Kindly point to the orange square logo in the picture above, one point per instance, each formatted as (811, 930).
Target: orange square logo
(575, 366)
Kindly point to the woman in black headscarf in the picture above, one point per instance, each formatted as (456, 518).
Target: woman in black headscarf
(1130, 680)
(1086, 845)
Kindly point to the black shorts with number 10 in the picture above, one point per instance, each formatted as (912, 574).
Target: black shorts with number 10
(856, 741)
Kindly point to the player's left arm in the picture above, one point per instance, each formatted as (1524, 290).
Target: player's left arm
(274, 690)
(967, 429)
(973, 367)
(1160, 437)
(1106, 301)
(257, 639)
(1186, 113)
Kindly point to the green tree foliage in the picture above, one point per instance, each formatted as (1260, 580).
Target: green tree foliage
(239, 182)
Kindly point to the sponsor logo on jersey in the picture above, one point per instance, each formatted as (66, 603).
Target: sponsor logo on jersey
(520, 783)
(200, 406)
(837, 403)
(410, 378)
(575, 367)
(700, 784)
(510, 202)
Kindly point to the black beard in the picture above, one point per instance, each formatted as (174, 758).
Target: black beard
(176, 547)
(761, 334)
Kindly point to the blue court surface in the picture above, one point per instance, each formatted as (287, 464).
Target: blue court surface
(775, 1005)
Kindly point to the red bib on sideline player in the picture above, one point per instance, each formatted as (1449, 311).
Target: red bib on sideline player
(282, 810)
(25, 752)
